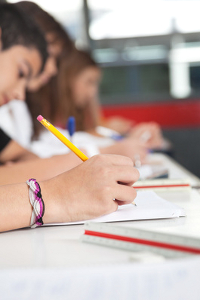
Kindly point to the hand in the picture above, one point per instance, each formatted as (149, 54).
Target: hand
(148, 133)
(119, 124)
(128, 147)
(88, 190)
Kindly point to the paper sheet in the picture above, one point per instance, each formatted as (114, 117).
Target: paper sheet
(149, 206)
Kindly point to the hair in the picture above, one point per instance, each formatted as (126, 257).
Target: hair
(69, 70)
(45, 98)
(47, 24)
(18, 29)
(59, 102)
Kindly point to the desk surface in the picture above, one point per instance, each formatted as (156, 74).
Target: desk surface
(46, 258)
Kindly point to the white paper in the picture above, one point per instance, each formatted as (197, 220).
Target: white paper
(149, 206)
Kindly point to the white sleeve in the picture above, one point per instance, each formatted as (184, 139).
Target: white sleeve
(48, 145)
(16, 121)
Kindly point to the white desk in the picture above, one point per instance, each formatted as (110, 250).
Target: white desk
(52, 263)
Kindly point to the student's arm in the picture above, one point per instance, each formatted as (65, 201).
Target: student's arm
(84, 192)
(39, 168)
(117, 123)
(11, 150)
(14, 152)
(47, 168)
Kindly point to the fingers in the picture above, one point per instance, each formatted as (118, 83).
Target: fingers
(120, 203)
(113, 207)
(126, 174)
(124, 194)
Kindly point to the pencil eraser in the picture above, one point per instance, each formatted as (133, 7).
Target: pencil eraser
(40, 118)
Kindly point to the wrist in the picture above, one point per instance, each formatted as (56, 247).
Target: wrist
(55, 211)
(37, 203)
(49, 205)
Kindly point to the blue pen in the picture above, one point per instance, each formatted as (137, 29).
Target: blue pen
(71, 126)
(117, 137)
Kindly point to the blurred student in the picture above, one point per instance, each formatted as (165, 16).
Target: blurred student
(19, 131)
(74, 92)
(78, 87)
(26, 59)
(84, 192)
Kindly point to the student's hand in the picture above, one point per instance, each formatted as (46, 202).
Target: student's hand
(88, 190)
(119, 124)
(148, 133)
(130, 147)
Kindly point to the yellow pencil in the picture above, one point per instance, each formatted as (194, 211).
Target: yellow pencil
(62, 138)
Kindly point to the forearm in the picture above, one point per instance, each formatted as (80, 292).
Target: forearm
(14, 152)
(116, 148)
(15, 208)
(41, 169)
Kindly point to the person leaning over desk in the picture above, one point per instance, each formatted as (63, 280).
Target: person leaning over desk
(84, 192)
(57, 42)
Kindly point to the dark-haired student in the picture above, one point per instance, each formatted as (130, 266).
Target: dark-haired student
(84, 192)
(24, 54)
(58, 41)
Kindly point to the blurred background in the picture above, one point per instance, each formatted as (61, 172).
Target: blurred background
(150, 55)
